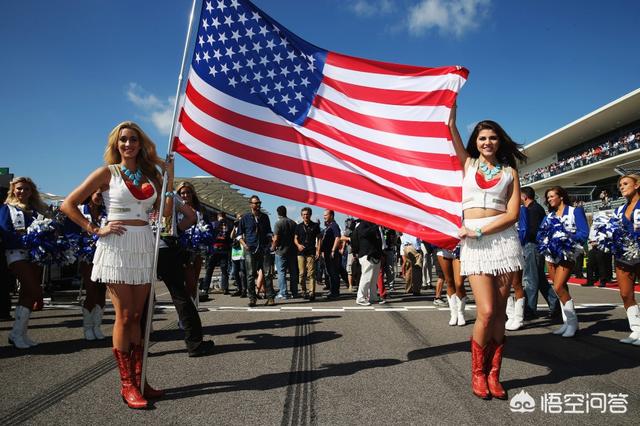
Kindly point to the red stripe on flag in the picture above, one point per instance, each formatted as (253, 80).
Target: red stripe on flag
(400, 127)
(284, 133)
(413, 158)
(276, 188)
(379, 67)
(289, 134)
(307, 168)
(393, 97)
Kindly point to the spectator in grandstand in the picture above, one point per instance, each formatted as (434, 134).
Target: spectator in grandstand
(605, 202)
(604, 150)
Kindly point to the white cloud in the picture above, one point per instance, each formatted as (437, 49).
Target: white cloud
(448, 16)
(154, 110)
(371, 8)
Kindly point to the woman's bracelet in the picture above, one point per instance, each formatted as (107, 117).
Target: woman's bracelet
(478, 233)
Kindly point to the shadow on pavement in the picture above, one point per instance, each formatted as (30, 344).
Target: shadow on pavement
(278, 380)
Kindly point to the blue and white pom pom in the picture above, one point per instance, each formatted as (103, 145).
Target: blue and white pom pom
(611, 236)
(83, 246)
(554, 241)
(199, 238)
(45, 245)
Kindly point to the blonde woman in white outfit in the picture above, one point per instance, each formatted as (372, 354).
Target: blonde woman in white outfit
(130, 183)
(490, 251)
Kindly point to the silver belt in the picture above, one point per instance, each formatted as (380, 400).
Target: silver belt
(119, 210)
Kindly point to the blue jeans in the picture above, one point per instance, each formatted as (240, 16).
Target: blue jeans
(286, 262)
(534, 280)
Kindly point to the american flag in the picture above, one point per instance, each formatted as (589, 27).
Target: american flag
(269, 111)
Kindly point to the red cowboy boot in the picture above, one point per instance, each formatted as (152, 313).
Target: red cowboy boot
(136, 360)
(129, 391)
(492, 369)
(478, 376)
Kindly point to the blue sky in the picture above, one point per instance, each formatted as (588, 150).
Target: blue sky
(73, 69)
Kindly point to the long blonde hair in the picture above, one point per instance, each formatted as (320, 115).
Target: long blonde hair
(633, 176)
(147, 159)
(35, 202)
(197, 206)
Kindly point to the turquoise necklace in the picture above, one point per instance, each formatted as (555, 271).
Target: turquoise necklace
(490, 174)
(134, 177)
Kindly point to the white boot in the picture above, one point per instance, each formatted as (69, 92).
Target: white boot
(453, 309)
(87, 324)
(97, 313)
(518, 315)
(562, 329)
(462, 303)
(510, 309)
(572, 319)
(16, 336)
(633, 315)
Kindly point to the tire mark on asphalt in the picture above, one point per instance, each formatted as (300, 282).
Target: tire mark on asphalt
(298, 406)
(48, 398)
(444, 368)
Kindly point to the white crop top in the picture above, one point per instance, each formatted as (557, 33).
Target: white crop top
(490, 198)
(120, 203)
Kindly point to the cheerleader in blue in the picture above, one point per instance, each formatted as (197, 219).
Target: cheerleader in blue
(628, 270)
(93, 306)
(22, 206)
(575, 225)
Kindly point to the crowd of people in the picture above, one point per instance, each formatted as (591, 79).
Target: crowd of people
(602, 151)
(504, 243)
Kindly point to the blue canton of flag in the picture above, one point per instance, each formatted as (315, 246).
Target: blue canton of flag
(249, 56)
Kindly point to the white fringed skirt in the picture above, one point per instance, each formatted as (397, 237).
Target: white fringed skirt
(492, 254)
(124, 259)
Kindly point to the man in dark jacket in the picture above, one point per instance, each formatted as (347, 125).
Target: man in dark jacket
(254, 233)
(533, 276)
(366, 245)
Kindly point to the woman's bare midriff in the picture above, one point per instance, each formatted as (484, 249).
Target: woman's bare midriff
(132, 222)
(479, 213)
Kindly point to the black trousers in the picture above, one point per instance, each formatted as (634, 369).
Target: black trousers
(171, 272)
(598, 265)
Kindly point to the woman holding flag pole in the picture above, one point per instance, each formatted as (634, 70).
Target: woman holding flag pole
(133, 370)
(490, 250)
(130, 184)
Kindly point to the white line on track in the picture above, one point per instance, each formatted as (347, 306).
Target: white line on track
(386, 308)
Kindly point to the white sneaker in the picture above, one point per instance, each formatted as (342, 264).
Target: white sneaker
(363, 303)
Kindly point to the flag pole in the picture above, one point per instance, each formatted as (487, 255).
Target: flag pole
(165, 178)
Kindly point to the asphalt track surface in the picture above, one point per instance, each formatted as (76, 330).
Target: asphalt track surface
(323, 363)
